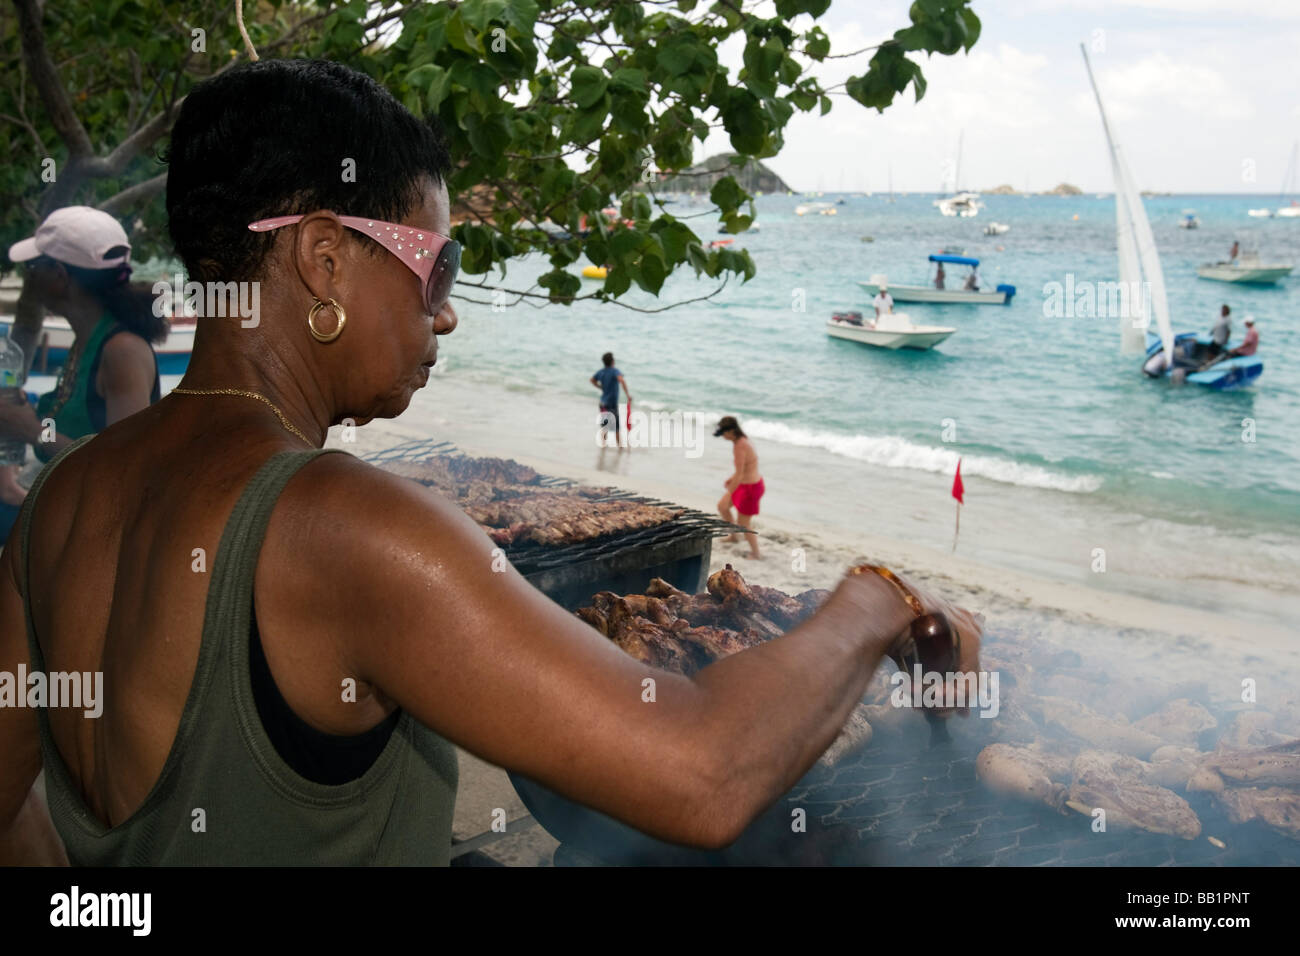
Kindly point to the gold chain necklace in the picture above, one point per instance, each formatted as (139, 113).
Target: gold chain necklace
(67, 378)
(246, 393)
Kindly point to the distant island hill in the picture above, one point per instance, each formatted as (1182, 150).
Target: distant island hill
(752, 176)
(1061, 189)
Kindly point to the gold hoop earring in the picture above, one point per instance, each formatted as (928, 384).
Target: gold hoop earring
(316, 333)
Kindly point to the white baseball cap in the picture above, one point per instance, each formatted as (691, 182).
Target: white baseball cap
(78, 236)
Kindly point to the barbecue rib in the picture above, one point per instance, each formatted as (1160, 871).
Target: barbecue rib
(507, 501)
(1114, 782)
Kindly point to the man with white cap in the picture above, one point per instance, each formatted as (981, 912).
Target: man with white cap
(884, 302)
(77, 267)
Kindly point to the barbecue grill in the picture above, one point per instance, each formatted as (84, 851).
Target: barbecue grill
(625, 562)
(678, 551)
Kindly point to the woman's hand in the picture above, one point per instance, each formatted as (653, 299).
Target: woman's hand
(969, 628)
(11, 493)
(18, 419)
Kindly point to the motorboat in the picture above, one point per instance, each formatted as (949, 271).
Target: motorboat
(893, 330)
(996, 229)
(1246, 269)
(1189, 220)
(822, 208)
(931, 293)
(965, 205)
(1260, 213)
(1166, 355)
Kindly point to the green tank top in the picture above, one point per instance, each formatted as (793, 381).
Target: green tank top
(255, 809)
(72, 418)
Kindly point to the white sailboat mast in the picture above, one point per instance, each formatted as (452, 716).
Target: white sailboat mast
(1139, 262)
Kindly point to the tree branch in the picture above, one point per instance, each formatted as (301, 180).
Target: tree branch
(46, 77)
(129, 148)
(133, 194)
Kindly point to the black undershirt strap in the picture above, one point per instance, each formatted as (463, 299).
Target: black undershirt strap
(319, 757)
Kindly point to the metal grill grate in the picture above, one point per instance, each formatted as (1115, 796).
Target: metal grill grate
(531, 557)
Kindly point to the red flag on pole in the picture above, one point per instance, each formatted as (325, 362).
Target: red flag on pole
(958, 490)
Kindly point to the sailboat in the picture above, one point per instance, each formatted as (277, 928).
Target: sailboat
(1288, 183)
(961, 203)
(1142, 278)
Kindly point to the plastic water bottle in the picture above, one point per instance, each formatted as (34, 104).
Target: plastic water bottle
(12, 378)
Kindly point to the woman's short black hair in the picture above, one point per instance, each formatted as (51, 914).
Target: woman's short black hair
(274, 138)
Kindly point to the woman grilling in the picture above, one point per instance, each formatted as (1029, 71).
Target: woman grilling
(293, 640)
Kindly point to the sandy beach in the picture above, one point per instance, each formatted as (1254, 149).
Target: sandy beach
(1027, 571)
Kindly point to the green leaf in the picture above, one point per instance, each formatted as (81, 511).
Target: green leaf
(629, 80)
(588, 124)
(676, 58)
(816, 43)
(743, 120)
(652, 272)
(562, 284)
(489, 136)
(826, 105)
(726, 194)
(588, 85)
(973, 26)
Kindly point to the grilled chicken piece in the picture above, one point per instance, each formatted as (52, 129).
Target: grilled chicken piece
(811, 600)
(655, 645)
(1279, 765)
(1113, 782)
(853, 737)
(889, 719)
(718, 642)
(777, 606)
(595, 618)
(1026, 773)
(1173, 766)
(1092, 728)
(662, 589)
(1179, 721)
(1252, 730)
(728, 585)
(1279, 807)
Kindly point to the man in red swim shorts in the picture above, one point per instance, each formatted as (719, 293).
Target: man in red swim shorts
(744, 487)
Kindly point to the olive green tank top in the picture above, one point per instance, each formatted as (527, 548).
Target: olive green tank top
(224, 795)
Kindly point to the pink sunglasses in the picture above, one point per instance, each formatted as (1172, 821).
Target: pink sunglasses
(435, 259)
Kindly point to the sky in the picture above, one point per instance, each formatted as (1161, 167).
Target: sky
(1203, 96)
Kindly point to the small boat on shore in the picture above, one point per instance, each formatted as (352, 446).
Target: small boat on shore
(1247, 270)
(929, 293)
(894, 330)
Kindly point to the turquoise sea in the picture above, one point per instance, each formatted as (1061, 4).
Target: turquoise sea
(1038, 401)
